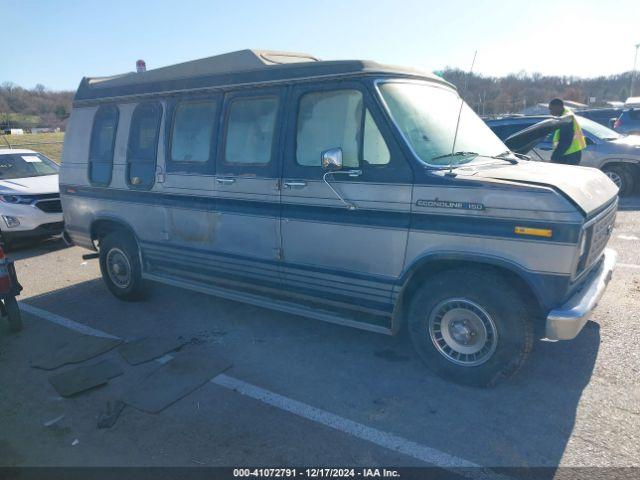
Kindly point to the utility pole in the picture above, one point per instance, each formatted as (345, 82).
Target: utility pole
(633, 73)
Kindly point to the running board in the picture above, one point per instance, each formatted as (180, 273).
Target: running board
(260, 301)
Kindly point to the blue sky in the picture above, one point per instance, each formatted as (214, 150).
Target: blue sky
(56, 43)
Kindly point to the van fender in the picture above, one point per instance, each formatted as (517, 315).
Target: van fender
(531, 279)
(118, 223)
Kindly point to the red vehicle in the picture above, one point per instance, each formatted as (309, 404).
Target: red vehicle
(9, 289)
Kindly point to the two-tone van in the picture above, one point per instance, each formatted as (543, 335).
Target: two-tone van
(346, 191)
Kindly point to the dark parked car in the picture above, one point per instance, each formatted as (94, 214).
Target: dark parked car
(604, 116)
(628, 122)
(616, 155)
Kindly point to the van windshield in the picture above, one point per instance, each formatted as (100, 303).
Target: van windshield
(22, 165)
(427, 116)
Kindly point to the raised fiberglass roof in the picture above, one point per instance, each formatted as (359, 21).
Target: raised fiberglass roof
(235, 68)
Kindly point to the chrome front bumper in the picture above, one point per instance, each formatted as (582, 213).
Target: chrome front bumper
(565, 323)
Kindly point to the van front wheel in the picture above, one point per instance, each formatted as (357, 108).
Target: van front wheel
(120, 266)
(471, 327)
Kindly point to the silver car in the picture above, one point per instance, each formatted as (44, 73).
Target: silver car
(615, 154)
(347, 191)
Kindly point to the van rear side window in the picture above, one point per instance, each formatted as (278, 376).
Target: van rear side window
(143, 145)
(193, 131)
(103, 137)
(250, 128)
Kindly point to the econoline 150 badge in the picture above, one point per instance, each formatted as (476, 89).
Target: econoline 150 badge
(449, 204)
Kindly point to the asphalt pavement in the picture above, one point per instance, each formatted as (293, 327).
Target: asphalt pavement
(303, 392)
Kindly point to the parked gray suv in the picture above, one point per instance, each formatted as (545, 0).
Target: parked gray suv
(616, 155)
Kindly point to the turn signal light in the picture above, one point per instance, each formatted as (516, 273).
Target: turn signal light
(536, 232)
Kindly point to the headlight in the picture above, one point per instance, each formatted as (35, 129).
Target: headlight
(11, 221)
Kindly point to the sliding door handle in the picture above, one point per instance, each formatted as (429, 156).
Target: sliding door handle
(295, 184)
(225, 181)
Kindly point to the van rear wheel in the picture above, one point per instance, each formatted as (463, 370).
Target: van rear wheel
(471, 327)
(120, 266)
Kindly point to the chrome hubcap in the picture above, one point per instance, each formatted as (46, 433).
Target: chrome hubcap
(463, 332)
(615, 178)
(118, 268)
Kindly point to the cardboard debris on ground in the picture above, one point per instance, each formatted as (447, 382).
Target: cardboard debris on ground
(109, 417)
(175, 379)
(148, 348)
(75, 349)
(83, 378)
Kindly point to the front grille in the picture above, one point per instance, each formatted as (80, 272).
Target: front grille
(597, 237)
(50, 206)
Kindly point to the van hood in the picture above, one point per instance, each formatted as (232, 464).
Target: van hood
(587, 187)
(29, 185)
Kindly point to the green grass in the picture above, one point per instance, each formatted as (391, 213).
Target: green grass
(20, 119)
(49, 144)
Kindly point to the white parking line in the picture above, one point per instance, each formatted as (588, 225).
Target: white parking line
(628, 265)
(627, 237)
(355, 429)
(63, 322)
(381, 438)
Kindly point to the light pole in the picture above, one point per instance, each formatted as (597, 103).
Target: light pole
(633, 73)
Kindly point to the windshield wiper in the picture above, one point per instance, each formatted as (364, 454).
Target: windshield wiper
(503, 156)
(454, 154)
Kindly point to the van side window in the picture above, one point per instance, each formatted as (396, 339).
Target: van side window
(250, 129)
(374, 148)
(329, 120)
(335, 120)
(192, 134)
(143, 144)
(103, 138)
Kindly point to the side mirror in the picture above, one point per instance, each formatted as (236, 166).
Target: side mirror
(332, 159)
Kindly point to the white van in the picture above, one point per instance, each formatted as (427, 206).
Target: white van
(346, 191)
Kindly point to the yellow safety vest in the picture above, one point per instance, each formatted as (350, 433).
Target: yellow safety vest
(578, 143)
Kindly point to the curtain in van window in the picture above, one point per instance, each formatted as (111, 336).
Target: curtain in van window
(329, 120)
(250, 129)
(103, 136)
(193, 131)
(143, 143)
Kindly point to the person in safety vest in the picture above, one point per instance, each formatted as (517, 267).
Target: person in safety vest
(568, 140)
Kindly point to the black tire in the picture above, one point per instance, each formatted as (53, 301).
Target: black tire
(120, 266)
(622, 177)
(13, 314)
(486, 299)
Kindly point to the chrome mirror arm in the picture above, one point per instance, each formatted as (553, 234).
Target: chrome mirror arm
(351, 173)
